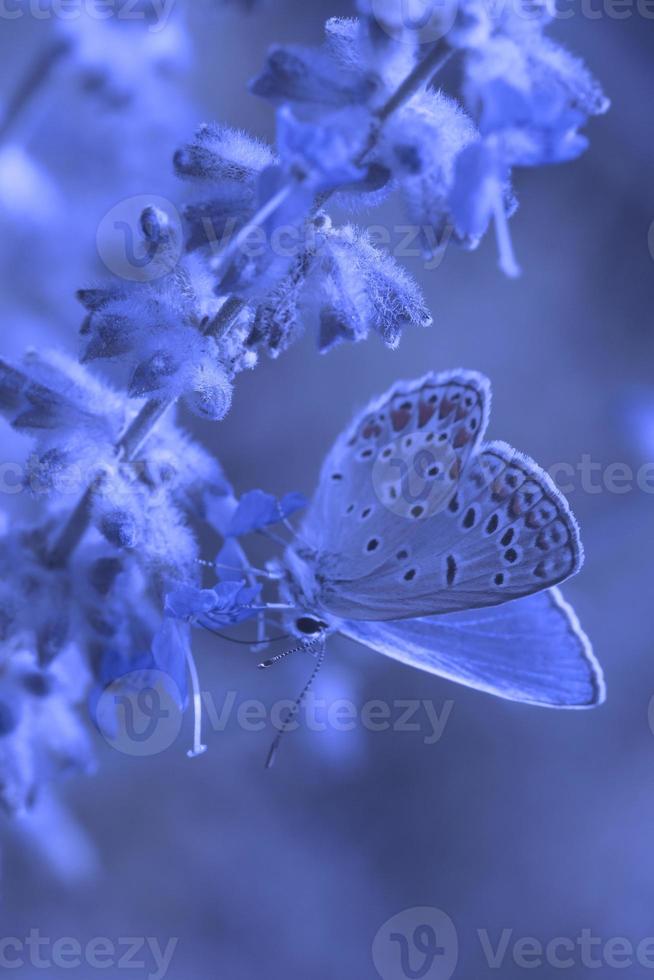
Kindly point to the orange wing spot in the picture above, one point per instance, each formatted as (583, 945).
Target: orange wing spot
(371, 430)
(461, 438)
(425, 412)
(400, 418)
(446, 407)
(455, 469)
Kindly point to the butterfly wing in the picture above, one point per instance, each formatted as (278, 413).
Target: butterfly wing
(532, 650)
(416, 516)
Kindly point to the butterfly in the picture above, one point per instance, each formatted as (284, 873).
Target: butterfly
(441, 550)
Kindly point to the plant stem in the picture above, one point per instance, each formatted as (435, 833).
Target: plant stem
(425, 70)
(127, 448)
(31, 84)
(142, 425)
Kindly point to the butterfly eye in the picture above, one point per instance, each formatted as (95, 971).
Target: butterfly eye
(309, 626)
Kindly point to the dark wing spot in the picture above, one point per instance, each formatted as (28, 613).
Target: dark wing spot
(469, 519)
(410, 575)
(499, 579)
(417, 511)
(372, 545)
(451, 569)
(491, 526)
(507, 538)
(511, 555)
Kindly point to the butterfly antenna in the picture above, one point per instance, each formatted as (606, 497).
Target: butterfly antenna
(286, 653)
(246, 643)
(290, 715)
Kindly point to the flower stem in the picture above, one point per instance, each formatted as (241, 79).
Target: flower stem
(128, 447)
(423, 72)
(31, 84)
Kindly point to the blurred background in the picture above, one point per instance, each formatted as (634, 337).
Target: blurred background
(517, 818)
